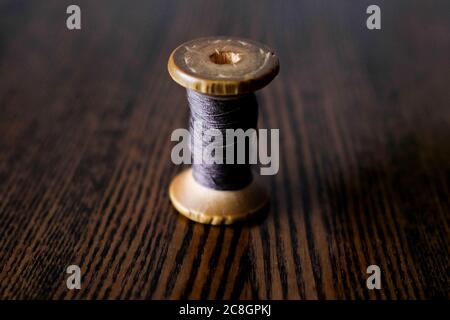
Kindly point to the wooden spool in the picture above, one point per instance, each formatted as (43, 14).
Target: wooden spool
(220, 67)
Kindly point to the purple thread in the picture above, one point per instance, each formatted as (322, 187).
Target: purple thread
(215, 113)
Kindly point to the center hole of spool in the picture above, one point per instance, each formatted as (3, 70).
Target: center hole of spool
(225, 57)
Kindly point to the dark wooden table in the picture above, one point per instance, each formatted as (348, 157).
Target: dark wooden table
(85, 124)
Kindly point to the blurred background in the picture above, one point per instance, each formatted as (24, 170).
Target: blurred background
(85, 123)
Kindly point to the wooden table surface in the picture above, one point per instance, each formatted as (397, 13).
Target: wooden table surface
(85, 124)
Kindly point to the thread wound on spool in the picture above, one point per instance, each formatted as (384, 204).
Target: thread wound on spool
(206, 113)
(223, 73)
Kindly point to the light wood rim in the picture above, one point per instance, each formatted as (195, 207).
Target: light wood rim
(252, 72)
(209, 206)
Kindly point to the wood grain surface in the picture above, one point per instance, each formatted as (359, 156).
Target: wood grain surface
(85, 124)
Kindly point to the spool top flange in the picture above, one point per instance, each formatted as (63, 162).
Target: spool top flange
(223, 66)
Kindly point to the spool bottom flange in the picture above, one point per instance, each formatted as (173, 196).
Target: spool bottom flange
(209, 206)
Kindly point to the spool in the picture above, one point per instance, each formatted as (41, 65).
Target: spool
(221, 68)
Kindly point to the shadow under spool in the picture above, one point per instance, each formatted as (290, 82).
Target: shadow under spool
(220, 75)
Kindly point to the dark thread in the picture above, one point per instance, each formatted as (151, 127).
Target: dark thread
(240, 112)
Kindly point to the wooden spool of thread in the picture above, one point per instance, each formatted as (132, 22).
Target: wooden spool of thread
(220, 69)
